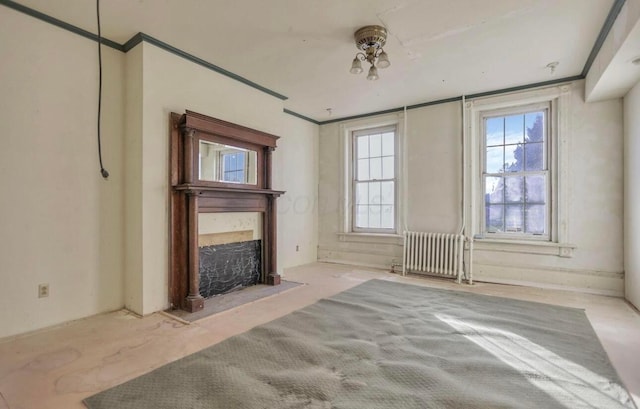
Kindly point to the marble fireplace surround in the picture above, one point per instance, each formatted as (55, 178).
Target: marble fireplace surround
(190, 196)
(230, 250)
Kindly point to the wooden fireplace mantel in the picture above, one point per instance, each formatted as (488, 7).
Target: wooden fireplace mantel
(190, 196)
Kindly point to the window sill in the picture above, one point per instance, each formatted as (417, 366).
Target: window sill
(382, 238)
(525, 247)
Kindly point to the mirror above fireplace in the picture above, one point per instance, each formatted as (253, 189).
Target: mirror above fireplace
(228, 164)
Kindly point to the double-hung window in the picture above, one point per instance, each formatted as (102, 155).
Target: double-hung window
(516, 175)
(374, 182)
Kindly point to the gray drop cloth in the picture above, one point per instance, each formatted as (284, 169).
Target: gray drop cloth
(389, 345)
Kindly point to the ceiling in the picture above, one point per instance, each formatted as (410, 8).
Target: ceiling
(303, 48)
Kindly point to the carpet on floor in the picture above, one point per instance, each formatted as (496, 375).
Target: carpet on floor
(384, 344)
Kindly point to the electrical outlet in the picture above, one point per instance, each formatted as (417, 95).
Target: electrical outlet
(43, 290)
(297, 248)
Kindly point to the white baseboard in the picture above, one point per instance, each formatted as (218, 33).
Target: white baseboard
(585, 281)
(578, 280)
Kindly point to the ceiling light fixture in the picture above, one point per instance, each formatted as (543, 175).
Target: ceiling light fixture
(370, 40)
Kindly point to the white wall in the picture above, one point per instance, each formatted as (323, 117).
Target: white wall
(133, 180)
(172, 84)
(295, 165)
(632, 195)
(61, 223)
(434, 167)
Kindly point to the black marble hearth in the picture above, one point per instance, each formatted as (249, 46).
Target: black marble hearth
(228, 267)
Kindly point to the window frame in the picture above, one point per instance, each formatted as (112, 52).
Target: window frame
(547, 171)
(344, 216)
(559, 98)
(354, 134)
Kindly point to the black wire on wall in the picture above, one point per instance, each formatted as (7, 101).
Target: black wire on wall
(103, 171)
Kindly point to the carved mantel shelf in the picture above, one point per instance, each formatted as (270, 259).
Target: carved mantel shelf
(204, 189)
(192, 192)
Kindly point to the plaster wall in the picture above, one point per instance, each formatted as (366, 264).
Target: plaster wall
(433, 154)
(632, 195)
(295, 170)
(133, 171)
(61, 223)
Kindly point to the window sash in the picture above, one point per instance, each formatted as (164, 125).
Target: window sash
(523, 204)
(545, 172)
(359, 180)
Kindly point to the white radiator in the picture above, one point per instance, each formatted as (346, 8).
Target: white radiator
(434, 253)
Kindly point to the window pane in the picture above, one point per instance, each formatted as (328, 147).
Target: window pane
(495, 159)
(363, 169)
(388, 144)
(374, 193)
(536, 189)
(375, 168)
(362, 216)
(514, 220)
(387, 217)
(363, 146)
(374, 217)
(387, 195)
(534, 123)
(495, 220)
(375, 145)
(362, 193)
(494, 190)
(514, 129)
(513, 158)
(388, 167)
(240, 164)
(494, 131)
(514, 189)
(534, 156)
(536, 219)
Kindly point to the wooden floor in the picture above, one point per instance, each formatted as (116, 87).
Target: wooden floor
(58, 367)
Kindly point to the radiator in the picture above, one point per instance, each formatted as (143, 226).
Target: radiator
(439, 254)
